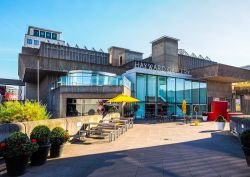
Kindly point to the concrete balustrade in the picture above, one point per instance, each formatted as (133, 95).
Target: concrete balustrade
(72, 124)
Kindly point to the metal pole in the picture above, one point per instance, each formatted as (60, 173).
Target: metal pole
(38, 66)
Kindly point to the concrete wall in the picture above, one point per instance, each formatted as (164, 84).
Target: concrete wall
(127, 56)
(66, 123)
(31, 91)
(189, 62)
(114, 55)
(58, 97)
(219, 89)
(165, 52)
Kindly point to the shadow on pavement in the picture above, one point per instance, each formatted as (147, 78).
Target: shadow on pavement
(217, 156)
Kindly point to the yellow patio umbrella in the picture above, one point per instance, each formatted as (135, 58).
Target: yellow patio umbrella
(184, 107)
(123, 99)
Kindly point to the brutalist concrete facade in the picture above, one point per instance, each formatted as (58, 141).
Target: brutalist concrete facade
(165, 51)
(55, 61)
(51, 69)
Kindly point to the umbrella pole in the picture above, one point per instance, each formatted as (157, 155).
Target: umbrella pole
(122, 108)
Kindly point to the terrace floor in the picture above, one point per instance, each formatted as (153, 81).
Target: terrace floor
(153, 150)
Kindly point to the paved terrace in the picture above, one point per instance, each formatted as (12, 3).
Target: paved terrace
(153, 150)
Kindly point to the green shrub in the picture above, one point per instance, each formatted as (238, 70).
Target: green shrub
(11, 111)
(41, 134)
(204, 114)
(17, 144)
(220, 118)
(245, 138)
(34, 111)
(59, 136)
(14, 111)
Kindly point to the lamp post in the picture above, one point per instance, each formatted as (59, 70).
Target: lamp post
(38, 77)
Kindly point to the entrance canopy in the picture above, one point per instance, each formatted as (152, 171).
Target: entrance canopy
(123, 98)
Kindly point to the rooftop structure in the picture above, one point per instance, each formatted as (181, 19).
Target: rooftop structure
(36, 35)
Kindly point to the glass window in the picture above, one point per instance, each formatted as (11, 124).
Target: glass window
(112, 81)
(179, 90)
(202, 108)
(195, 92)
(90, 106)
(54, 36)
(36, 32)
(188, 89)
(203, 93)
(29, 41)
(141, 87)
(171, 109)
(86, 78)
(48, 35)
(162, 109)
(162, 89)
(103, 80)
(140, 113)
(150, 110)
(36, 42)
(179, 112)
(42, 34)
(94, 79)
(151, 88)
(171, 89)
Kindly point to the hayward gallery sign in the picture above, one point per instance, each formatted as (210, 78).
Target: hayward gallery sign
(144, 65)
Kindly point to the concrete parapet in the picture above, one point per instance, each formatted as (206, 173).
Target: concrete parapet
(51, 123)
(6, 129)
(72, 124)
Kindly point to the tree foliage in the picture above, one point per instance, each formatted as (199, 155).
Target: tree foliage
(14, 111)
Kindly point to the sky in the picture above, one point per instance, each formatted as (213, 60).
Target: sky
(219, 29)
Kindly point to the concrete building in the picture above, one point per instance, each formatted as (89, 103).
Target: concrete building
(36, 35)
(70, 80)
(120, 56)
(11, 89)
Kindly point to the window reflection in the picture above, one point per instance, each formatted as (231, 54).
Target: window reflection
(89, 78)
(179, 90)
(171, 89)
(151, 88)
(170, 92)
(195, 92)
(162, 89)
(188, 89)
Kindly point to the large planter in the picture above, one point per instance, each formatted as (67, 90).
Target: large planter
(40, 156)
(221, 125)
(56, 150)
(204, 118)
(247, 154)
(16, 166)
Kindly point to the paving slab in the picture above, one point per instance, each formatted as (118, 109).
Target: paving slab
(153, 149)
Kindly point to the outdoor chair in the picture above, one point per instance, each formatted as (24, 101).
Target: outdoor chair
(98, 131)
(128, 122)
(188, 119)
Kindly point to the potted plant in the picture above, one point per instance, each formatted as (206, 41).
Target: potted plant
(16, 150)
(221, 122)
(245, 142)
(204, 116)
(58, 137)
(41, 134)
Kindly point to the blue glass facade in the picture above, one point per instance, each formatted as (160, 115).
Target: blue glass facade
(164, 95)
(91, 78)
